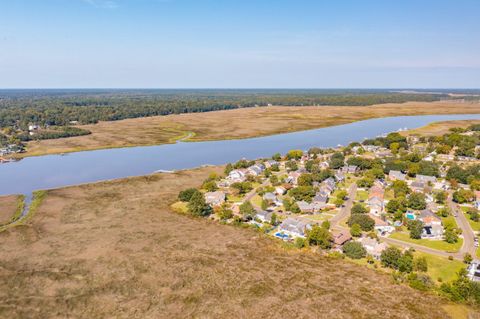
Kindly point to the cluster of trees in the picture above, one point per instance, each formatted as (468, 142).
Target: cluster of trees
(359, 220)
(196, 202)
(59, 108)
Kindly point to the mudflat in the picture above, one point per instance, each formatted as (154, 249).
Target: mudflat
(116, 250)
(232, 124)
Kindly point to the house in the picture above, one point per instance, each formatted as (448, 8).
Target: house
(474, 271)
(375, 199)
(256, 169)
(215, 198)
(306, 207)
(425, 179)
(270, 163)
(324, 165)
(293, 178)
(320, 201)
(432, 224)
(477, 199)
(445, 157)
(382, 226)
(340, 238)
(272, 199)
(418, 187)
(339, 176)
(264, 216)
(280, 190)
(350, 169)
(383, 152)
(294, 227)
(396, 176)
(372, 246)
(236, 176)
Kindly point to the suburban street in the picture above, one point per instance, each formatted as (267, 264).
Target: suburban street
(345, 210)
(467, 231)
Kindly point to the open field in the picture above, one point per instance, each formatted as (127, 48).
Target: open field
(232, 124)
(114, 250)
(9, 206)
(440, 128)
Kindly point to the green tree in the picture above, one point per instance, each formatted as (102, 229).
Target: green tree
(300, 193)
(451, 236)
(274, 219)
(356, 230)
(390, 257)
(197, 205)
(420, 264)
(354, 250)
(247, 210)
(294, 154)
(365, 222)
(440, 197)
(326, 224)
(358, 209)
(416, 228)
(416, 201)
(319, 236)
(467, 258)
(187, 194)
(463, 196)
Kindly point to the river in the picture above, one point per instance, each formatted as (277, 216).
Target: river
(53, 171)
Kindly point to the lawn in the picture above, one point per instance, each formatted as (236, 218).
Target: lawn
(475, 225)
(440, 267)
(256, 200)
(449, 222)
(434, 244)
(234, 199)
(361, 195)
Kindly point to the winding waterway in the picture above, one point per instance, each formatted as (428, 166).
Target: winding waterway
(53, 171)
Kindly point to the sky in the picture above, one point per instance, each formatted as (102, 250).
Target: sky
(239, 44)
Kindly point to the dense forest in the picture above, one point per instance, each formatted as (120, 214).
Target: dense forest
(56, 111)
(20, 108)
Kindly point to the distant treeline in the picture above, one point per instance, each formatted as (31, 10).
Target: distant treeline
(61, 108)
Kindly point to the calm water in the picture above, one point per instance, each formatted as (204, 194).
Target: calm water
(54, 171)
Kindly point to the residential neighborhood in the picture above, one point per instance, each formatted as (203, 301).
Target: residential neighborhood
(366, 200)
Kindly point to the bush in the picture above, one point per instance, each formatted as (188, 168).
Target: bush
(319, 236)
(356, 230)
(300, 242)
(390, 257)
(354, 250)
(187, 194)
(365, 222)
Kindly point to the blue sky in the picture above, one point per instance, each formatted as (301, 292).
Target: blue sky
(239, 44)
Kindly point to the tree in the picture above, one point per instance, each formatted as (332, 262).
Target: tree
(440, 197)
(294, 154)
(405, 262)
(416, 201)
(273, 219)
(337, 160)
(242, 187)
(299, 242)
(390, 257)
(451, 236)
(187, 194)
(467, 258)
(420, 264)
(305, 180)
(342, 194)
(300, 193)
(210, 186)
(197, 205)
(358, 209)
(443, 212)
(319, 236)
(354, 250)
(264, 204)
(225, 213)
(463, 196)
(365, 222)
(394, 206)
(356, 230)
(416, 228)
(400, 188)
(277, 157)
(365, 182)
(228, 168)
(326, 224)
(247, 210)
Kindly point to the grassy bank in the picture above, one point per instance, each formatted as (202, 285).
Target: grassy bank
(218, 125)
(434, 244)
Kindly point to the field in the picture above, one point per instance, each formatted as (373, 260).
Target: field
(232, 124)
(115, 250)
(440, 128)
(9, 206)
(434, 244)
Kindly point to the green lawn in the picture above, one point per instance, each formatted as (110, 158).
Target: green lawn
(361, 195)
(256, 200)
(389, 194)
(475, 225)
(434, 244)
(440, 267)
(233, 199)
(449, 222)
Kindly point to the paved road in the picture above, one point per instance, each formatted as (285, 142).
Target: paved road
(467, 231)
(345, 211)
(253, 192)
